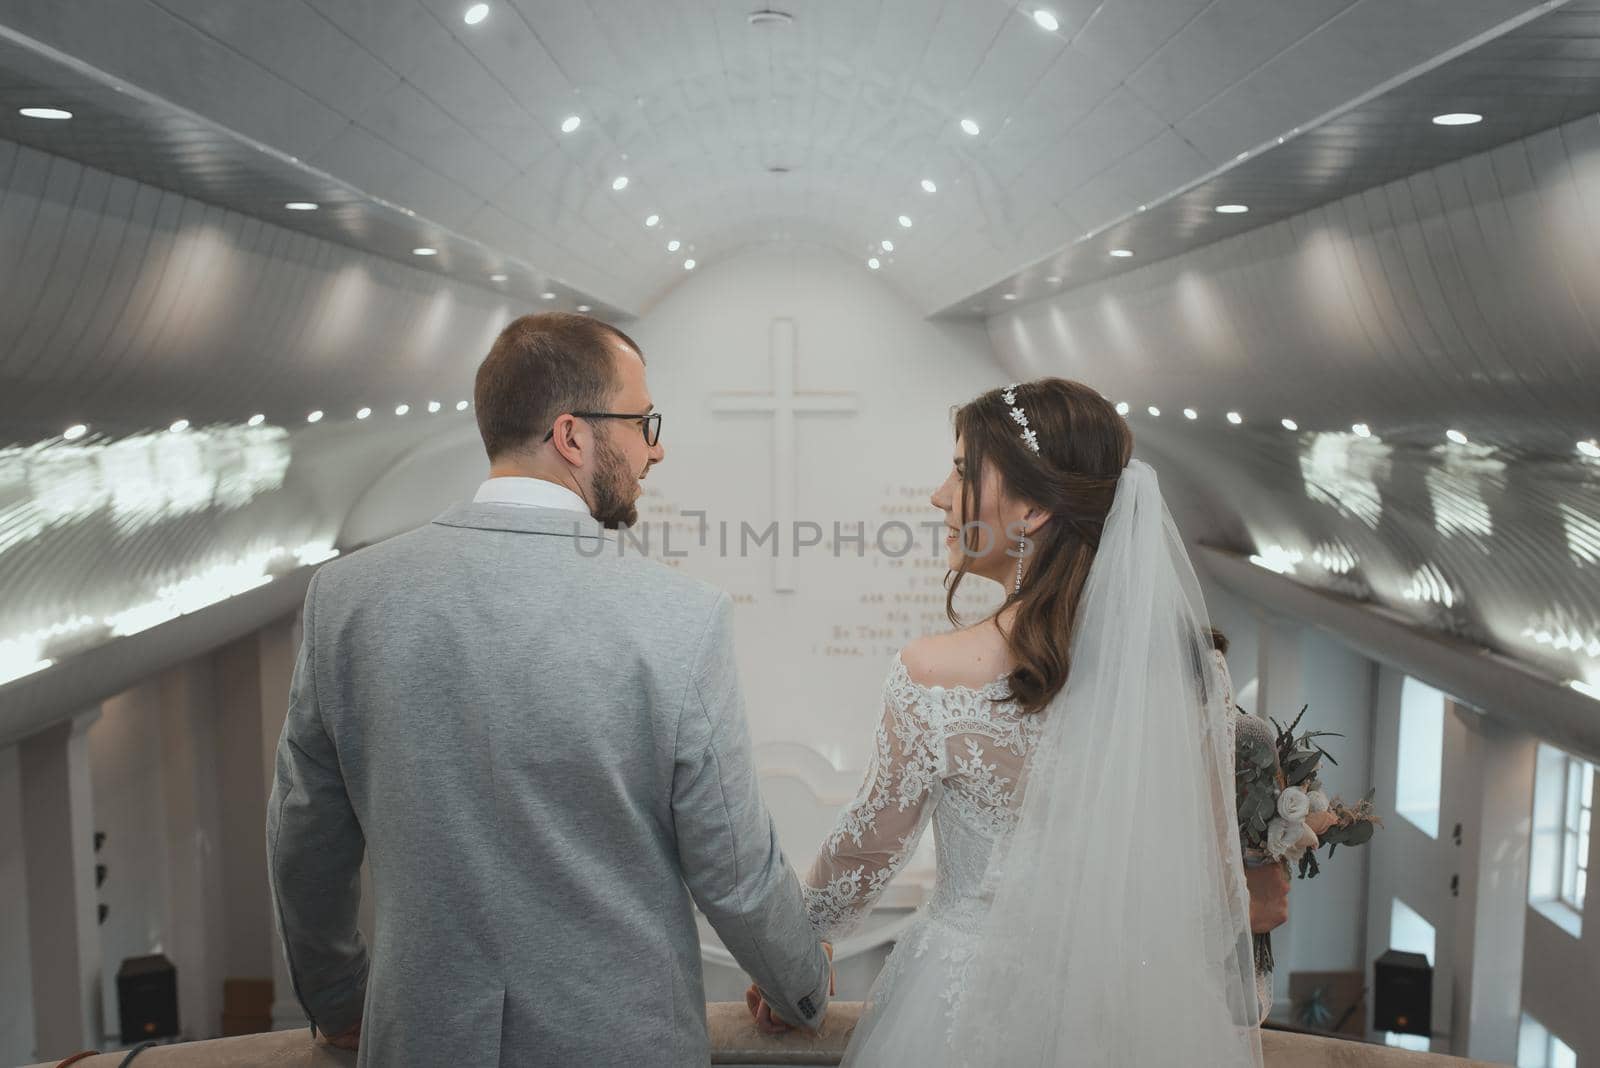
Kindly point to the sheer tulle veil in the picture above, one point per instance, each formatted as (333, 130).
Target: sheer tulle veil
(1119, 929)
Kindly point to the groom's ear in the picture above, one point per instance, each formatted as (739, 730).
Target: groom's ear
(568, 438)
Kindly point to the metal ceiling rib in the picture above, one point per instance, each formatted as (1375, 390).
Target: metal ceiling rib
(123, 130)
(1542, 74)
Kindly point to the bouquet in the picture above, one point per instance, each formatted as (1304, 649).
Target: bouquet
(1284, 815)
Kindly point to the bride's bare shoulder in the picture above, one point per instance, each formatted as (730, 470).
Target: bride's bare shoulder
(972, 656)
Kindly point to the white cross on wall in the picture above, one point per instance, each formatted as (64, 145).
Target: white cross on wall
(783, 404)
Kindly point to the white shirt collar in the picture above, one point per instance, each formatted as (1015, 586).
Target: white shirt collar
(529, 493)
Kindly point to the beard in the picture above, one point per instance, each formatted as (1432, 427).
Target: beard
(614, 483)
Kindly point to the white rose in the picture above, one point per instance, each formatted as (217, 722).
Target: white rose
(1283, 837)
(1319, 801)
(1293, 804)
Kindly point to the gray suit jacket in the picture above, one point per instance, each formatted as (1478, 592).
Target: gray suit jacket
(540, 744)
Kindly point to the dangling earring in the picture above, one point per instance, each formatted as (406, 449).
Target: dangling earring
(1021, 547)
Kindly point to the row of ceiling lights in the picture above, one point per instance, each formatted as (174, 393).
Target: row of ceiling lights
(476, 14)
(78, 430)
(61, 114)
(1589, 447)
(1455, 118)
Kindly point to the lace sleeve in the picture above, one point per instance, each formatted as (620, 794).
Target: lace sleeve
(879, 830)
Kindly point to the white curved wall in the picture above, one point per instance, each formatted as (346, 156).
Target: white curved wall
(1463, 297)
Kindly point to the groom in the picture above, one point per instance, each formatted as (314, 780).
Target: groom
(540, 747)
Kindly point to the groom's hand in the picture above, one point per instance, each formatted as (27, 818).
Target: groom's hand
(767, 1021)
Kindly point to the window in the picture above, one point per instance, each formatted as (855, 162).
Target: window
(1538, 1048)
(1578, 812)
(1420, 766)
(1558, 861)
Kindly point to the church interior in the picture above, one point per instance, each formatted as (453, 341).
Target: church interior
(1336, 262)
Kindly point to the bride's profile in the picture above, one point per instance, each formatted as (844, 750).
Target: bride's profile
(1072, 753)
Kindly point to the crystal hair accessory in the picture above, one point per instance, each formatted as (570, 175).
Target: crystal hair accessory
(1029, 438)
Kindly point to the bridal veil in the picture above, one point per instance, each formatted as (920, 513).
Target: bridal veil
(1119, 929)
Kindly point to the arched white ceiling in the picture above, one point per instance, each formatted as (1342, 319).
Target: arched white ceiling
(856, 102)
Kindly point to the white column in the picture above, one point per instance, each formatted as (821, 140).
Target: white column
(1494, 881)
(58, 846)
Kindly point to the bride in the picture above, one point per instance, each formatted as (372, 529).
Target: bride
(1073, 754)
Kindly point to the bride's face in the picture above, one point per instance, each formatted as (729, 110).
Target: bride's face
(986, 541)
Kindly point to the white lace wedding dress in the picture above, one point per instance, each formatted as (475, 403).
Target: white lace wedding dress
(954, 756)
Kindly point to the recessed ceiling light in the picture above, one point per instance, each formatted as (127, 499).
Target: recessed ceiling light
(461, 406)
(570, 123)
(434, 406)
(1008, 296)
(179, 427)
(970, 127)
(1590, 448)
(769, 17)
(886, 245)
(475, 14)
(905, 220)
(688, 265)
(547, 296)
(1154, 411)
(497, 278)
(315, 417)
(1046, 21)
(583, 307)
(1054, 280)
(651, 220)
(74, 432)
(619, 183)
(1290, 424)
(301, 205)
(424, 252)
(1122, 408)
(1243, 155)
(1458, 118)
(1361, 430)
(674, 245)
(1232, 209)
(873, 263)
(256, 420)
(363, 413)
(1190, 413)
(1122, 253)
(1235, 418)
(402, 409)
(1456, 436)
(1144, 207)
(45, 113)
(928, 186)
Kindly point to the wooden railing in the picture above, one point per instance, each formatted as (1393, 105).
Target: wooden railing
(734, 1040)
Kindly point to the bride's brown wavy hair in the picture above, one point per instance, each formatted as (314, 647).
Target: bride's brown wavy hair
(1083, 447)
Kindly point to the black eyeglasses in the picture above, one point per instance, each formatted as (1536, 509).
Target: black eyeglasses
(650, 423)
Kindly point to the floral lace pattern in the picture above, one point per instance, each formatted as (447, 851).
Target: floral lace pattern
(952, 756)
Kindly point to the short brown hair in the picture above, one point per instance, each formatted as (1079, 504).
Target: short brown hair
(539, 367)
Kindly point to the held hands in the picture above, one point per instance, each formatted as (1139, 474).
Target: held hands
(769, 1022)
(350, 1039)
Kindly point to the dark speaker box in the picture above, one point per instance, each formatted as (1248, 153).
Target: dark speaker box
(1402, 993)
(147, 998)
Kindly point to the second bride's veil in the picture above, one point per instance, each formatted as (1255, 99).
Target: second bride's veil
(1119, 931)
